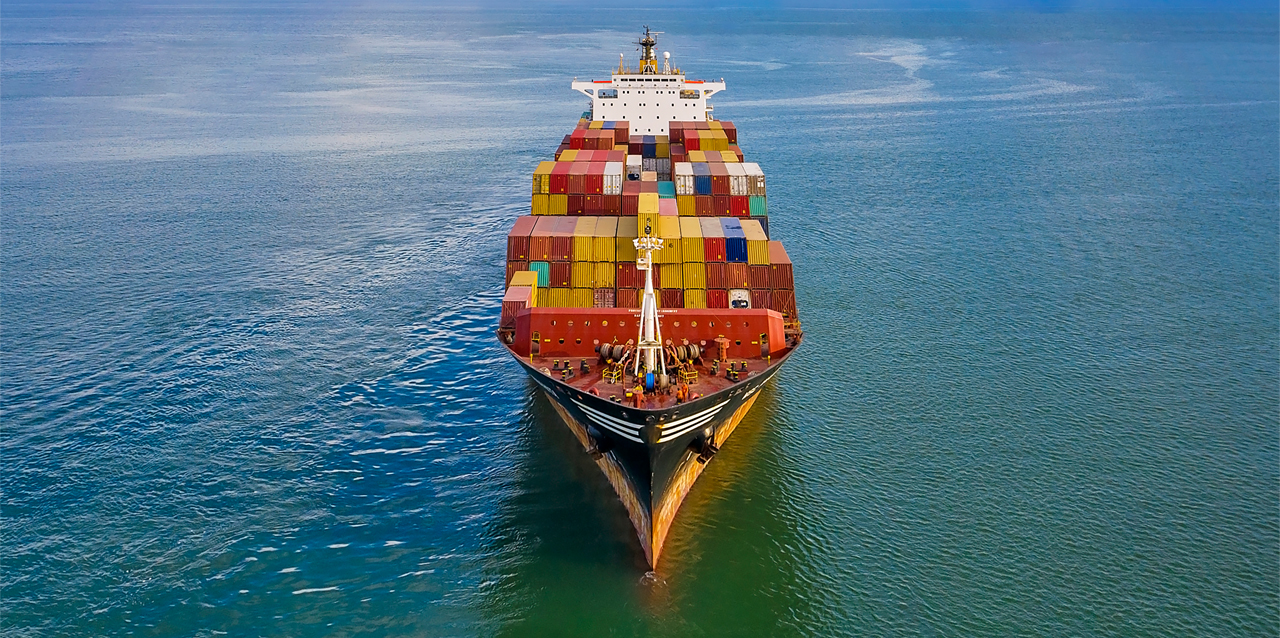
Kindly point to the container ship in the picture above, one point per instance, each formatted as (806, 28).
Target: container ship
(643, 292)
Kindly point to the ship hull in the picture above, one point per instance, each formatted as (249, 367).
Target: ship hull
(652, 457)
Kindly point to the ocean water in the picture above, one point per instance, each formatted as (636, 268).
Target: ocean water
(252, 257)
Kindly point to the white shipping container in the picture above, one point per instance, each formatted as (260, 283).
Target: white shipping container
(684, 178)
(634, 167)
(613, 178)
(737, 179)
(650, 164)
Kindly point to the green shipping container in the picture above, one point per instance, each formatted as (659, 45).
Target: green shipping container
(666, 190)
(544, 273)
(758, 206)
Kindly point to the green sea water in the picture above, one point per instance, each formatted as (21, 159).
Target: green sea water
(252, 263)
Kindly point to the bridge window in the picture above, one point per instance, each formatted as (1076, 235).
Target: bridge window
(689, 94)
(608, 93)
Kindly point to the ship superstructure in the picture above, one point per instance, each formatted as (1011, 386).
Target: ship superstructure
(644, 293)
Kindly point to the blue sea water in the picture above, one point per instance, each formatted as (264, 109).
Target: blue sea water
(252, 257)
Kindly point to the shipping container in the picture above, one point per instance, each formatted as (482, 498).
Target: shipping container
(758, 277)
(583, 274)
(701, 178)
(755, 179)
(718, 298)
(559, 298)
(577, 204)
(695, 275)
(517, 298)
(542, 178)
(604, 274)
(757, 205)
(691, 245)
(558, 205)
(762, 299)
(582, 298)
(584, 237)
(695, 298)
(735, 242)
(784, 301)
(686, 205)
(780, 274)
(594, 184)
(721, 205)
(728, 157)
(625, 246)
(518, 238)
(716, 277)
(671, 298)
(672, 275)
(604, 298)
(613, 176)
(540, 238)
(541, 205)
(524, 278)
(543, 269)
(669, 233)
(667, 207)
(558, 181)
(562, 238)
(737, 179)
(604, 242)
(737, 275)
(578, 178)
(683, 174)
(667, 191)
(514, 267)
(712, 240)
(704, 205)
(627, 298)
(757, 243)
(561, 274)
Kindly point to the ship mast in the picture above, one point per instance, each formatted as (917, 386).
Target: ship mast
(650, 338)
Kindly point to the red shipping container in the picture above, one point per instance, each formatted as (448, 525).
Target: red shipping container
(717, 298)
(648, 187)
(730, 131)
(626, 275)
(517, 298)
(631, 204)
(578, 178)
(540, 238)
(780, 277)
(721, 205)
(736, 274)
(672, 298)
(593, 204)
(621, 134)
(576, 137)
(577, 204)
(675, 132)
(513, 267)
(613, 205)
(715, 275)
(740, 205)
(518, 238)
(560, 178)
(562, 239)
(784, 301)
(719, 179)
(627, 298)
(758, 277)
(604, 298)
(704, 206)
(690, 141)
(616, 156)
(561, 274)
(702, 125)
(713, 248)
(635, 145)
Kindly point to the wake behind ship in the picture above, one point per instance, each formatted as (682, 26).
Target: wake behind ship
(644, 294)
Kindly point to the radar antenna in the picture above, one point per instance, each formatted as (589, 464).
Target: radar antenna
(648, 63)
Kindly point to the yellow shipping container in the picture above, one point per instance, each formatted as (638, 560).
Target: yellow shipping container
(714, 125)
(648, 220)
(603, 243)
(728, 157)
(695, 276)
(669, 233)
(568, 155)
(596, 125)
(672, 275)
(695, 299)
(526, 278)
(582, 298)
(559, 298)
(604, 274)
(662, 149)
(542, 178)
(544, 297)
(697, 156)
(621, 147)
(691, 244)
(686, 205)
(626, 250)
(648, 204)
(583, 238)
(541, 204)
(757, 243)
(583, 274)
(558, 205)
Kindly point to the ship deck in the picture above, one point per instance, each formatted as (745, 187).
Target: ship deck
(593, 382)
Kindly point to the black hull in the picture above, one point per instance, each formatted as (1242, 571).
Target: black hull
(657, 453)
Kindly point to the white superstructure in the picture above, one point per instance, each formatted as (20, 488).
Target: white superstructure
(649, 97)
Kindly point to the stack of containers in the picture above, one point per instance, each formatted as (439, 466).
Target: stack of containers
(694, 268)
(603, 250)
